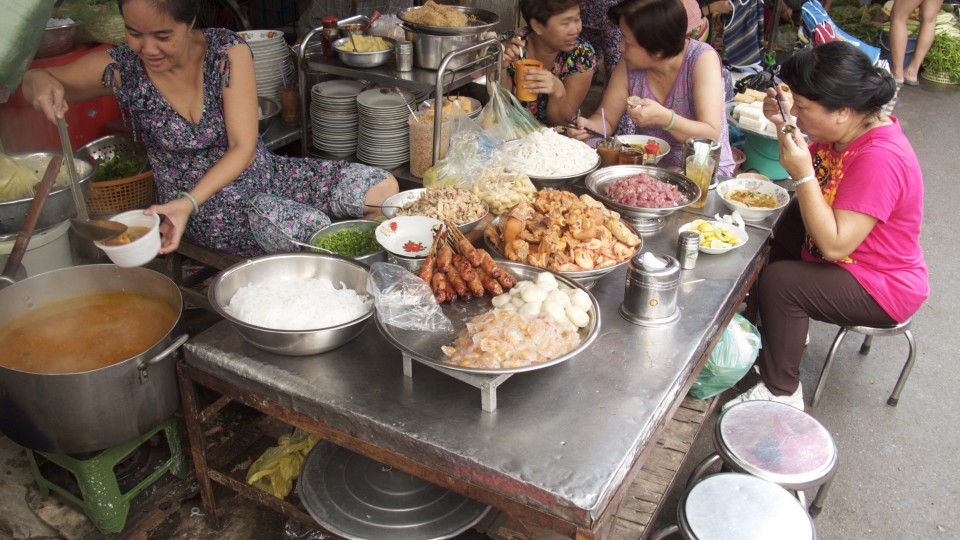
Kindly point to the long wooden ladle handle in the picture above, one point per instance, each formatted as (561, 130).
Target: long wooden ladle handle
(33, 215)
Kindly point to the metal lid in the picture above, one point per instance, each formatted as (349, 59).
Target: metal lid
(645, 274)
(358, 498)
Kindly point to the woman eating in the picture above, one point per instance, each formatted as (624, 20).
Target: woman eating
(859, 191)
(190, 97)
(666, 85)
(553, 38)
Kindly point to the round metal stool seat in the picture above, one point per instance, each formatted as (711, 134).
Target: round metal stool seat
(738, 506)
(775, 442)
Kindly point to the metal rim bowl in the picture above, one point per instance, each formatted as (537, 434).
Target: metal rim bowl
(642, 219)
(269, 110)
(56, 40)
(339, 270)
(364, 59)
(586, 278)
(485, 20)
(393, 204)
(553, 182)
(426, 345)
(59, 207)
(750, 213)
(370, 225)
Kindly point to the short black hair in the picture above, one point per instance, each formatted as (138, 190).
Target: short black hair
(659, 26)
(182, 11)
(542, 10)
(838, 74)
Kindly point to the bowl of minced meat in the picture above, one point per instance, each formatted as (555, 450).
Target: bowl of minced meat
(294, 303)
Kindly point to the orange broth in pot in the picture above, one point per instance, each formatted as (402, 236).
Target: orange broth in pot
(85, 333)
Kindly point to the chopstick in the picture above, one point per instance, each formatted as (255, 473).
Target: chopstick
(584, 128)
(786, 128)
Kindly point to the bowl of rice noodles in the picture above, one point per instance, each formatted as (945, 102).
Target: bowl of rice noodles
(550, 160)
(647, 217)
(294, 304)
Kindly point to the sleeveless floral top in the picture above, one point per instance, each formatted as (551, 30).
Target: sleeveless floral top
(181, 152)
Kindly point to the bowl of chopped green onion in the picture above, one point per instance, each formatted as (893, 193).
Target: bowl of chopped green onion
(354, 238)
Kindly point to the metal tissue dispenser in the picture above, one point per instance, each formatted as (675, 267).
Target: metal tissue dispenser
(650, 298)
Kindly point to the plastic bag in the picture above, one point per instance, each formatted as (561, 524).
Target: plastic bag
(16, 181)
(404, 300)
(504, 117)
(275, 470)
(470, 149)
(388, 26)
(730, 360)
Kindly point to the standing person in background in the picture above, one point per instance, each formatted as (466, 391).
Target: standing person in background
(666, 85)
(856, 259)
(902, 9)
(552, 37)
(601, 32)
(190, 96)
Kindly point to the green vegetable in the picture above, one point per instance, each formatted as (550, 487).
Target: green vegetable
(116, 168)
(349, 242)
(943, 58)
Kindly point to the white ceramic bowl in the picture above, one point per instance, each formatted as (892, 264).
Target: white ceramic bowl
(408, 236)
(739, 234)
(143, 249)
(640, 140)
(753, 213)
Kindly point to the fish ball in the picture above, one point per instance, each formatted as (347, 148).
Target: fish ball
(559, 297)
(577, 316)
(554, 311)
(500, 300)
(580, 299)
(517, 300)
(531, 310)
(533, 294)
(547, 281)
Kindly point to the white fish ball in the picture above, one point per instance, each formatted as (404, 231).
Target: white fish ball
(517, 300)
(547, 281)
(554, 311)
(580, 299)
(508, 306)
(559, 297)
(500, 300)
(531, 310)
(577, 316)
(533, 294)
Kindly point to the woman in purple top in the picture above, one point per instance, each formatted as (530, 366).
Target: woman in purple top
(669, 86)
(190, 96)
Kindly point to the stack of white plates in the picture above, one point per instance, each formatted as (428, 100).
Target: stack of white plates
(384, 137)
(333, 112)
(271, 60)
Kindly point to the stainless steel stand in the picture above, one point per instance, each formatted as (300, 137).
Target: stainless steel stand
(486, 383)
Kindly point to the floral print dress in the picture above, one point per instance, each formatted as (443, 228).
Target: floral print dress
(580, 60)
(274, 195)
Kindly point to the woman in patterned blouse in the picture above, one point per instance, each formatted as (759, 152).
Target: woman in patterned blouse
(190, 96)
(552, 37)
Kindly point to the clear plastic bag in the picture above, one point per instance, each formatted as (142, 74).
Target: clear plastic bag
(730, 360)
(504, 117)
(275, 470)
(388, 26)
(404, 300)
(470, 150)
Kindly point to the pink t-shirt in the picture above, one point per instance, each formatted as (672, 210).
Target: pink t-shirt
(879, 175)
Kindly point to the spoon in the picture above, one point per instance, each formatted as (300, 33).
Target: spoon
(97, 230)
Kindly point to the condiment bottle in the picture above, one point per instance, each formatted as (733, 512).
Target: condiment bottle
(329, 34)
(688, 247)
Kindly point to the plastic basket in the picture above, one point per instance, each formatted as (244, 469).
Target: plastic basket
(115, 196)
(938, 77)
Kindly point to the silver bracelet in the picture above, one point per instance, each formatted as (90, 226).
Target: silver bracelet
(803, 180)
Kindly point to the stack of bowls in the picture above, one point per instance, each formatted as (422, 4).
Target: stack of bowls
(384, 135)
(271, 60)
(333, 111)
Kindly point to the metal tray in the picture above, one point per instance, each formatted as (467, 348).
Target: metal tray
(425, 346)
(644, 220)
(484, 21)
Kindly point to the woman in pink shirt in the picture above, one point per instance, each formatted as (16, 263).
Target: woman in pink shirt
(859, 194)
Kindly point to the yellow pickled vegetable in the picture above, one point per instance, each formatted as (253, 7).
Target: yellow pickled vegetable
(364, 44)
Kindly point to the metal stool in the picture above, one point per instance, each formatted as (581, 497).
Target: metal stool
(738, 506)
(869, 332)
(775, 442)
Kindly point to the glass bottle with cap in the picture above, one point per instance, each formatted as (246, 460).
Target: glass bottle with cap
(329, 34)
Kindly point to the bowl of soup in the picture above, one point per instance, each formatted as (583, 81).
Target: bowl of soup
(136, 246)
(753, 199)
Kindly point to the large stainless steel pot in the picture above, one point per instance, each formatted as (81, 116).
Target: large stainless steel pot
(89, 411)
(59, 206)
(429, 49)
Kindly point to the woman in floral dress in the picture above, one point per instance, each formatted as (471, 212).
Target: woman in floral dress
(553, 37)
(190, 96)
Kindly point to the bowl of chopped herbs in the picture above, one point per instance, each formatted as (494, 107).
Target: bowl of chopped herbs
(354, 238)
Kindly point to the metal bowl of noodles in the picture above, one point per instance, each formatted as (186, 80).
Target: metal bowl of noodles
(642, 218)
(367, 226)
(59, 206)
(340, 271)
(478, 21)
(553, 182)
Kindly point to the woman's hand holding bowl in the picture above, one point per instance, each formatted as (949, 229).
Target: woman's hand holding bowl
(177, 213)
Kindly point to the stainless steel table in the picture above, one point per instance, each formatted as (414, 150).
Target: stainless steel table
(565, 442)
(715, 206)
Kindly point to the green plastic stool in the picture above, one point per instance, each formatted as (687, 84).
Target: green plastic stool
(101, 499)
(763, 155)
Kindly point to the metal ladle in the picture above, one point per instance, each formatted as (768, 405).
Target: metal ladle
(97, 230)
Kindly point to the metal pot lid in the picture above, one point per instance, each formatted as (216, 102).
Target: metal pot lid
(358, 498)
(482, 20)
